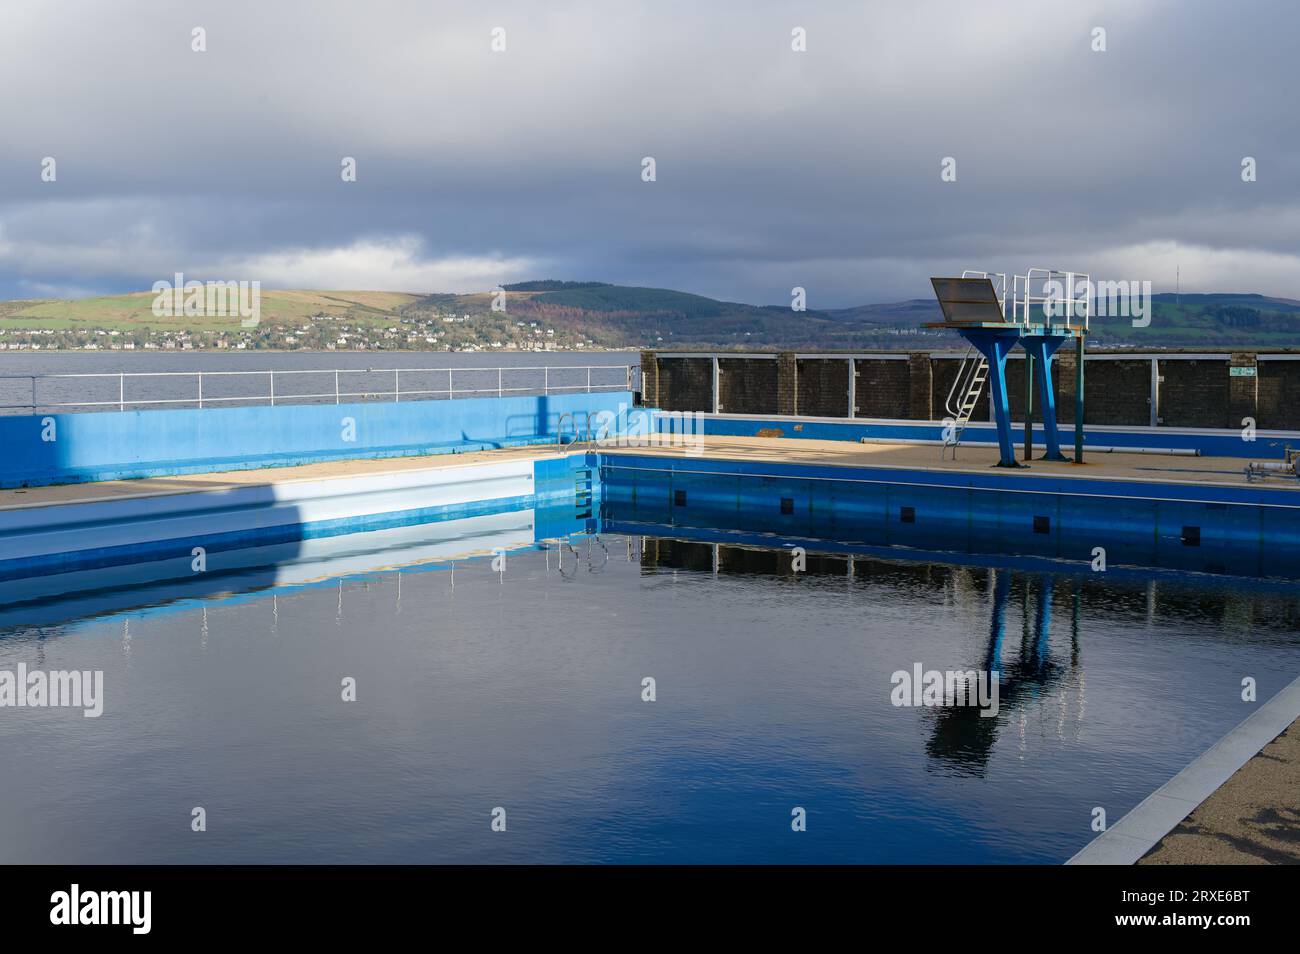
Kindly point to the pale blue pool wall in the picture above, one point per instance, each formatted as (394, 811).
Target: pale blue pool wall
(73, 448)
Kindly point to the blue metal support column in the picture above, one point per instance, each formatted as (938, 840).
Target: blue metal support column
(1041, 348)
(995, 344)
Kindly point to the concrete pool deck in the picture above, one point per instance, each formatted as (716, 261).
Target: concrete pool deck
(1253, 818)
(1152, 468)
(1219, 793)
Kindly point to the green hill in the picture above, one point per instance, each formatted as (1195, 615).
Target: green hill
(619, 316)
(1219, 320)
(135, 311)
(599, 315)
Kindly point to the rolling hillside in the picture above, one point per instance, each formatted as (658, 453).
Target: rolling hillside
(598, 315)
(134, 311)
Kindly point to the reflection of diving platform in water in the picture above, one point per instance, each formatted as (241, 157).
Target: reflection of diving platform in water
(1046, 308)
(962, 738)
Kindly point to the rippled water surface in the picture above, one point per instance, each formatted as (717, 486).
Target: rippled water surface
(523, 690)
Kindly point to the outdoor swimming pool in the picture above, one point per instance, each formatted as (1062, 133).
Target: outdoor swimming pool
(520, 686)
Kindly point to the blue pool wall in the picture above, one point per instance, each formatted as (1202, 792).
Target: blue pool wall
(162, 529)
(1207, 442)
(132, 444)
(1251, 530)
(1246, 530)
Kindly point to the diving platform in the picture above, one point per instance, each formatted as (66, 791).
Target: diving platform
(1039, 311)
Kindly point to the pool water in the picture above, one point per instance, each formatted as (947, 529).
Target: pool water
(517, 682)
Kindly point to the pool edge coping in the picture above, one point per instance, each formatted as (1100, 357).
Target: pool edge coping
(1129, 839)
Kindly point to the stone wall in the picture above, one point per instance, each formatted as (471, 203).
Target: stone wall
(1189, 390)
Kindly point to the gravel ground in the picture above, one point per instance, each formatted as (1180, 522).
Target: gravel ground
(1254, 817)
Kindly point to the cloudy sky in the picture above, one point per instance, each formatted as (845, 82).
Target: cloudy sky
(774, 168)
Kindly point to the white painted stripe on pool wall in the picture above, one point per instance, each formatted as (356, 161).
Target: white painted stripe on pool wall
(1160, 812)
(72, 527)
(306, 561)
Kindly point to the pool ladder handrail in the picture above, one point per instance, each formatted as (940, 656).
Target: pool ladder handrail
(577, 434)
(567, 544)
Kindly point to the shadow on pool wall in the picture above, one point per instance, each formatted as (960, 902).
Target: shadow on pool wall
(41, 450)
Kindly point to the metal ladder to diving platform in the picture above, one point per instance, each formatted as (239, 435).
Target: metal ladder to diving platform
(964, 397)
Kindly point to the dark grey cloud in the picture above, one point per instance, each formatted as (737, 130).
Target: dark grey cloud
(775, 168)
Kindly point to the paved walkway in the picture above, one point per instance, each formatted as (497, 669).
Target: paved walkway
(1253, 818)
(1158, 468)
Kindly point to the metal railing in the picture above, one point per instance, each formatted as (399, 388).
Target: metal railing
(497, 382)
(1071, 305)
(578, 435)
(999, 280)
